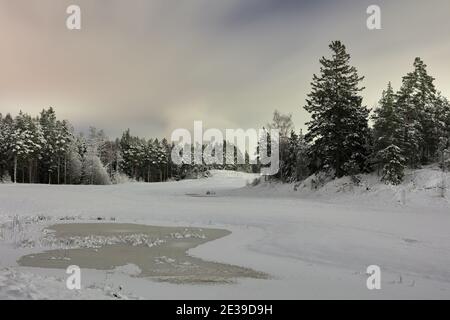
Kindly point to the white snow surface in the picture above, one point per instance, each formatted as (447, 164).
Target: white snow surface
(314, 243)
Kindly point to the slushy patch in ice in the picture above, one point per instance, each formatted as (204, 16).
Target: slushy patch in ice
(154, 252)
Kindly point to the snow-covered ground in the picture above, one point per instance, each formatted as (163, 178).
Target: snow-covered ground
(314, 243)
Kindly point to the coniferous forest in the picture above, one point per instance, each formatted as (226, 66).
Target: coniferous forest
(410, 127)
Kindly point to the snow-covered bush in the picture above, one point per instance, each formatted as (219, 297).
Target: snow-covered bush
(94, 172)
(320, 179)
(6, 178)
(254, 182)
(121, 178)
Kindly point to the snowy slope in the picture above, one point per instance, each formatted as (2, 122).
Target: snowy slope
(420, 188)
(313, 243)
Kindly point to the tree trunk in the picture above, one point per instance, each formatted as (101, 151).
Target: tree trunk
(59, 166)
(30, 171)
(36, 171)
(443, 186)
(15, 169)
(65, 169)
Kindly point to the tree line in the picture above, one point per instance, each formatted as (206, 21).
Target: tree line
(44, 149)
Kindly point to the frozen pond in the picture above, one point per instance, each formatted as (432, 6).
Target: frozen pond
(155, 252)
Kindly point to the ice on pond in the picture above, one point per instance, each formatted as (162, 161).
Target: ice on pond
(157, 252)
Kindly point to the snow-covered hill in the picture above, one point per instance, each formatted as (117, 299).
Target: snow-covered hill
(426, 187)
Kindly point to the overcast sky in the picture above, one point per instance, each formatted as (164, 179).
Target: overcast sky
(158, 65)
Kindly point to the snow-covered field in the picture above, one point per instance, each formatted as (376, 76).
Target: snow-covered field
(313, 243)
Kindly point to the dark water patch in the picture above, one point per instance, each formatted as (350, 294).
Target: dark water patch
(158, 252)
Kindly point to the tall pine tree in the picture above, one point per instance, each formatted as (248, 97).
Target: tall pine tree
(387, 138)
(6, 143)
(338, 131)
(417, 104)
(387, 121)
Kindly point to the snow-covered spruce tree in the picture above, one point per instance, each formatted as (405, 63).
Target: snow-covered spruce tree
(138, 150)
(303, 161)
(64, 137)
(148, 159)
(443, 121)
(393, 169)
(53, 166)
(387, 121)
(28, 140)
(161, 158)
(289, 165)
(296, 162)
(125, 148)
(338, 131)
(49, 157)
(3, 150)
(6, 143)
(416, 100)
(427, 98)
(166, 148)
(133, 154)
(154, 161)
(387, 132)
